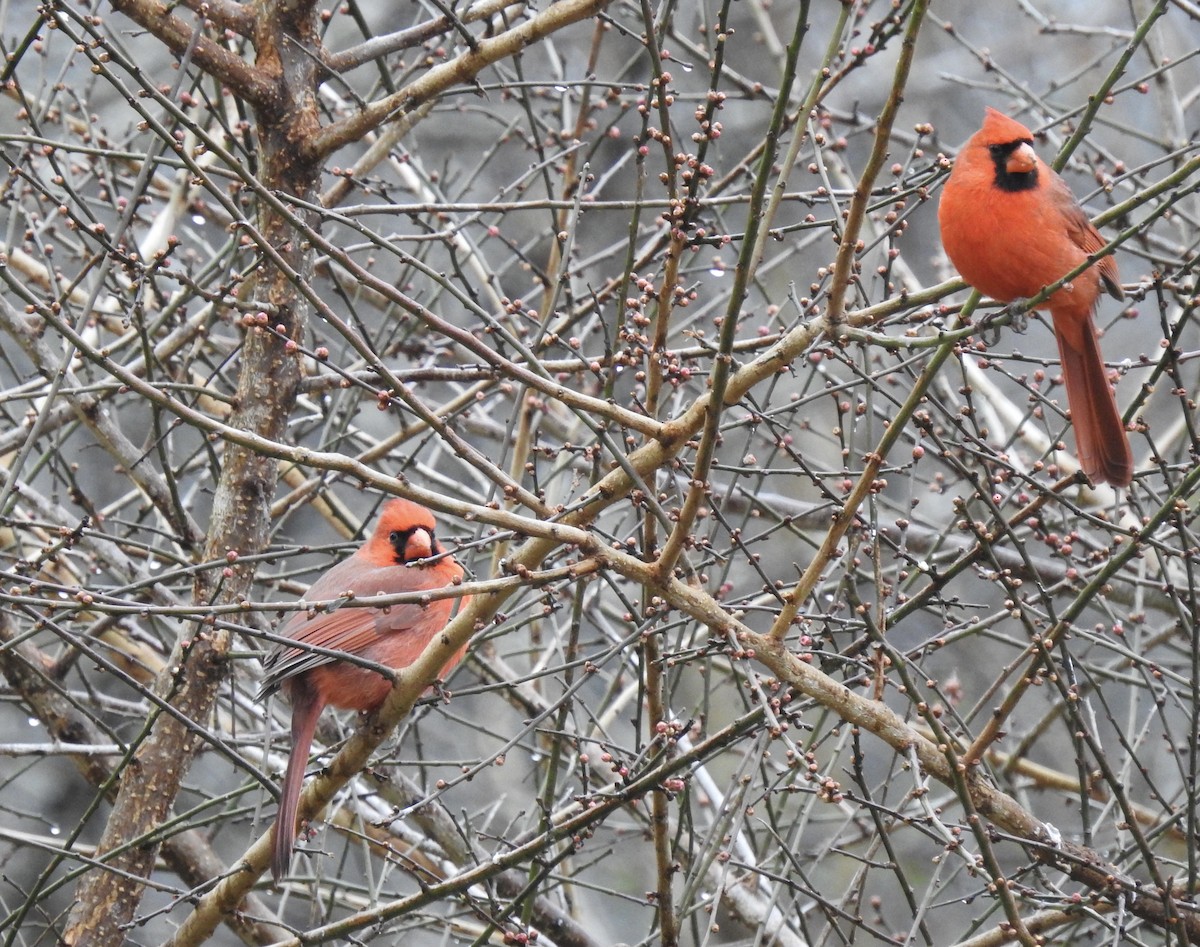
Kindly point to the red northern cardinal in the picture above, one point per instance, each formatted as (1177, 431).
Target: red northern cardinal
(1011, 227)
(388, 563)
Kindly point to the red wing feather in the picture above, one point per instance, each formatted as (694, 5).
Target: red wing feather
(1086, 237)
(349, 630)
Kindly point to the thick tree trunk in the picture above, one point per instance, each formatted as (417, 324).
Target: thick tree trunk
(269, 375)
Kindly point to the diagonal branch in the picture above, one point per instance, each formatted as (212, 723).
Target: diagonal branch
(247, 81)
(379, 46)
(848, 240)
(462, 69)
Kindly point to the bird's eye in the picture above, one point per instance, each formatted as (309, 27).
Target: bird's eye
(395, 536)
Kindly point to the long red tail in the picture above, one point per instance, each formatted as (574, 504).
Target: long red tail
(306, 710)
(1100, 435)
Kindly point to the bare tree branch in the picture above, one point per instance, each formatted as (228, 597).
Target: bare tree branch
(253, 83)
(462, 69)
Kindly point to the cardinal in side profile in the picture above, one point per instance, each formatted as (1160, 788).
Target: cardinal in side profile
(1011, 227)
(393, 560)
